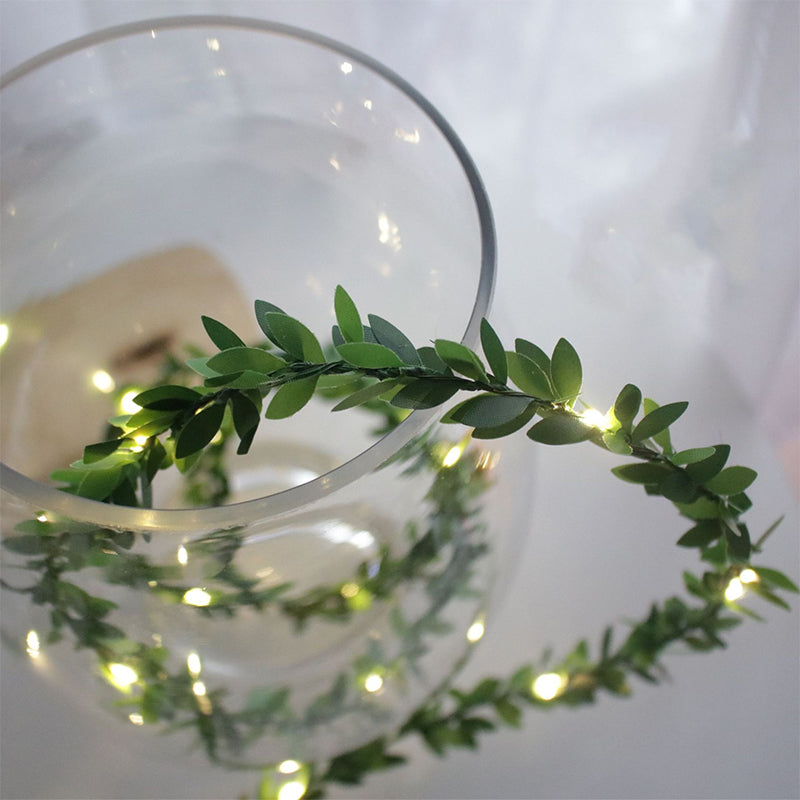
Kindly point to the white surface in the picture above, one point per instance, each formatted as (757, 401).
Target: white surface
(642, 160)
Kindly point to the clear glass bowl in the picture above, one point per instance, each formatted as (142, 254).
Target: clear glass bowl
(166, 169)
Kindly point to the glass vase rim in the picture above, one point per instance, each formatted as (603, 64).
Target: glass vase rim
(180, 520)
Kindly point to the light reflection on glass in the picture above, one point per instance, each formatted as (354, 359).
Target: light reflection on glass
(212, 43)
(33, 645)
(197, 597)
(412, 138)
(3, 333)
(346, 67)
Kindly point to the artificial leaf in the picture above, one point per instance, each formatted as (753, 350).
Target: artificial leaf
(199, 430)
(528, 376)
(239, 359)
(393, 338)
(776, 578)
(499, 431)
(657, 420)
(702, 508)
(645, 472)
(291, 397)
(679, 488)
(97, 484)
(421, 394)
(489, 410)
(627, 405)
(534, 353)
(494, 352)
(731, 480)
(200, 365)
(565, 370)
(430, 360)
(246, 417)
(616, 442)
(98, 451)
(263, 308)
(461, 359)
(367, 393)
(369, 355)
(704, 470)
(222, 336)
(167, 398)
(295, 338)
(738, 541)
(347, 316)
(691, 456)
(560, 429)
(702, 534)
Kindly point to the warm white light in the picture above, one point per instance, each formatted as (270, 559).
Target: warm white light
(41, 517)
(373, 682)
(193, 664)
(183, 556)
(368, 104)
(350, 590)
(103, 382)
(122, 676)
(334, 162)
(199, 689)
(346, 67)
(289, 766)
(748, 575)
(136, 719)
(212, 43)
(33, 645)
(475, 631)
(452, 456)
(126, 404)
(548, 685)
(411, 138)
(293, 790)
(220, 72)
(597, 419)
(734, 590)
(197, 597)
(3, 333)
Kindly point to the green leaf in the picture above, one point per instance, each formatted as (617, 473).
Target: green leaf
(263, 309)
(767, 595)
(657, 420)
(706, 469)
(702, 534)
(507, 711)
(367, 393)
(246, 417)
(560, 429)
(489, 410)
(534, 353)
(99, 483)
(616, 442)
(494, 352)
(731, 480)
(499, 431)
(98, 451)
(169, 397)
(691, 456)
(199, 430)
(222, 336)
(627, 405)
(239, 359)
(369, 355)
(775, 578)
(431, 360)
(702, 508)
(291, 397)
(679, 488)
(421, 393)
(461, 359)
(295, 338)
(528, 376)
(28, 545)
(565, 370)
(200, 366)
(393, 338)
(238, 380)
(646, 472)
(347, 316)
(738, 544)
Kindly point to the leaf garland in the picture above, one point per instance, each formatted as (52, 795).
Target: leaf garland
(187, 426)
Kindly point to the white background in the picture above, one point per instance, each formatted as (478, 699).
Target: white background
(642, 161)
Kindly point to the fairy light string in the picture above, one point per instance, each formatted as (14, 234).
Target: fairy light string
(189, 427)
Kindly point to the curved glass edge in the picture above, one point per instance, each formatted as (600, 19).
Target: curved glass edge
(40, 496)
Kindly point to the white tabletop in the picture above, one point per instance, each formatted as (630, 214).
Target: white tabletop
(642, 161)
